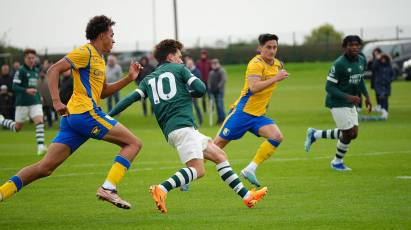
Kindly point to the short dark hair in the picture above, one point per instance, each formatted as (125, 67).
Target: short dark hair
(166, 47)
(28, 51)
(351, 38)
(263, 38)
(97, 25)
(378, 50)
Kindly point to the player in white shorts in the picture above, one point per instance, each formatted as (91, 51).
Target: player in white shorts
(170, 89)
(28, 103)
(344, 83)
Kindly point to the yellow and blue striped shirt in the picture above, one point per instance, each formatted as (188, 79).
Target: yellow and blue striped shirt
(88, 69)
(256, 104)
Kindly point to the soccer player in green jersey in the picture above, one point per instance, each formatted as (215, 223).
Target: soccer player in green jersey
(344, 83)
(28, 103)
(170, 89)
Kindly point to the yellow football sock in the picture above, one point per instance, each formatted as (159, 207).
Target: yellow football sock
(266, 149)
(8, 189)
(118, 170)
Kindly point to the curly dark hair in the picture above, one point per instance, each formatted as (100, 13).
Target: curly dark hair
(351, 38)
(97, 25)
(166, 47)
(263, 38)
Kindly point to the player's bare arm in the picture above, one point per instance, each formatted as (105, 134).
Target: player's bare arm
(53, 75)
(111, 88)
(256, 84)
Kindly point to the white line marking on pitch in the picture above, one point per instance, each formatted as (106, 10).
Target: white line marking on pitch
(404, 177)
(233, 162)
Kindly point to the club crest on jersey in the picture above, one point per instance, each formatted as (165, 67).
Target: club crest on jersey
(226, 132)
(95, 131)
(98, 73)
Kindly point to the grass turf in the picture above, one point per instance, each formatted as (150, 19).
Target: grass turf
(304, 193)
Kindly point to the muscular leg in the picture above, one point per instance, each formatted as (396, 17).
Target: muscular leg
(220, 142)
(273, 137)
(130, 146)
(342, 146)
(218, 156)
(56, 155)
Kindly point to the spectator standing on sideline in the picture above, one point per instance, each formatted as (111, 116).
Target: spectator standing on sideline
(384, 74)
(196, 72)
(216, 84)
(376, 54)
(204, 65)
(113, 74)
(6, 93)
(45, 94)
(16, 67)
(147, 69)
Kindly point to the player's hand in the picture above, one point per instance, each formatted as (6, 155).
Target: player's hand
(60, 108)
(31, 91)
(354, 99)
(134, 70)
(368, 104)
(281, 75)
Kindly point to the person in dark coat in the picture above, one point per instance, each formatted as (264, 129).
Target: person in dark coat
(384, 74)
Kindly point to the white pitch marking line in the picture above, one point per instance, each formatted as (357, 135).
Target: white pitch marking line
(404, 177)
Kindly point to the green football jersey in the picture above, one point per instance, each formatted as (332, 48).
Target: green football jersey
(346, 77)
(169, 95)
(26, 78)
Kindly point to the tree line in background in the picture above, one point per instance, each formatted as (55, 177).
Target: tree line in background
(323, 44)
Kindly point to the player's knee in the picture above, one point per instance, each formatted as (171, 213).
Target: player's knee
(278, 136)
(136, 145)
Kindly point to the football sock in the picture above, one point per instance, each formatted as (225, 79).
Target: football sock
(266, 149)
(40, 134)
(328, 134)
(342, 148)
(116, 173)
(232, 179)
(12, 186)
(182, 177)
(252, 166)
(10, 124)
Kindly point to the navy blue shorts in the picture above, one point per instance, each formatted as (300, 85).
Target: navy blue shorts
(238, 123)
(75, 129)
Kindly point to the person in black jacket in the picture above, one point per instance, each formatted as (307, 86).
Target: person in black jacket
(384, 74)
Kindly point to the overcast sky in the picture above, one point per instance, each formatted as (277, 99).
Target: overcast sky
(60, 25)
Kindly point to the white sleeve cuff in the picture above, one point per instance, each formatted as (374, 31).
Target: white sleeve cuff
(332, 80)
(139, 91)
(191, 80)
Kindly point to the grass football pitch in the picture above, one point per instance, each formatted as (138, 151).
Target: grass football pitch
(304, 193)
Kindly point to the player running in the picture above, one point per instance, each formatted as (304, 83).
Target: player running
(170, 89)
(344, 83)
(248, 112)
(28, 103)
(82, 117)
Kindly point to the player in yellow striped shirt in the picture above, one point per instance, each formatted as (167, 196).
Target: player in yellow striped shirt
(82, 117)
(248, 112)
